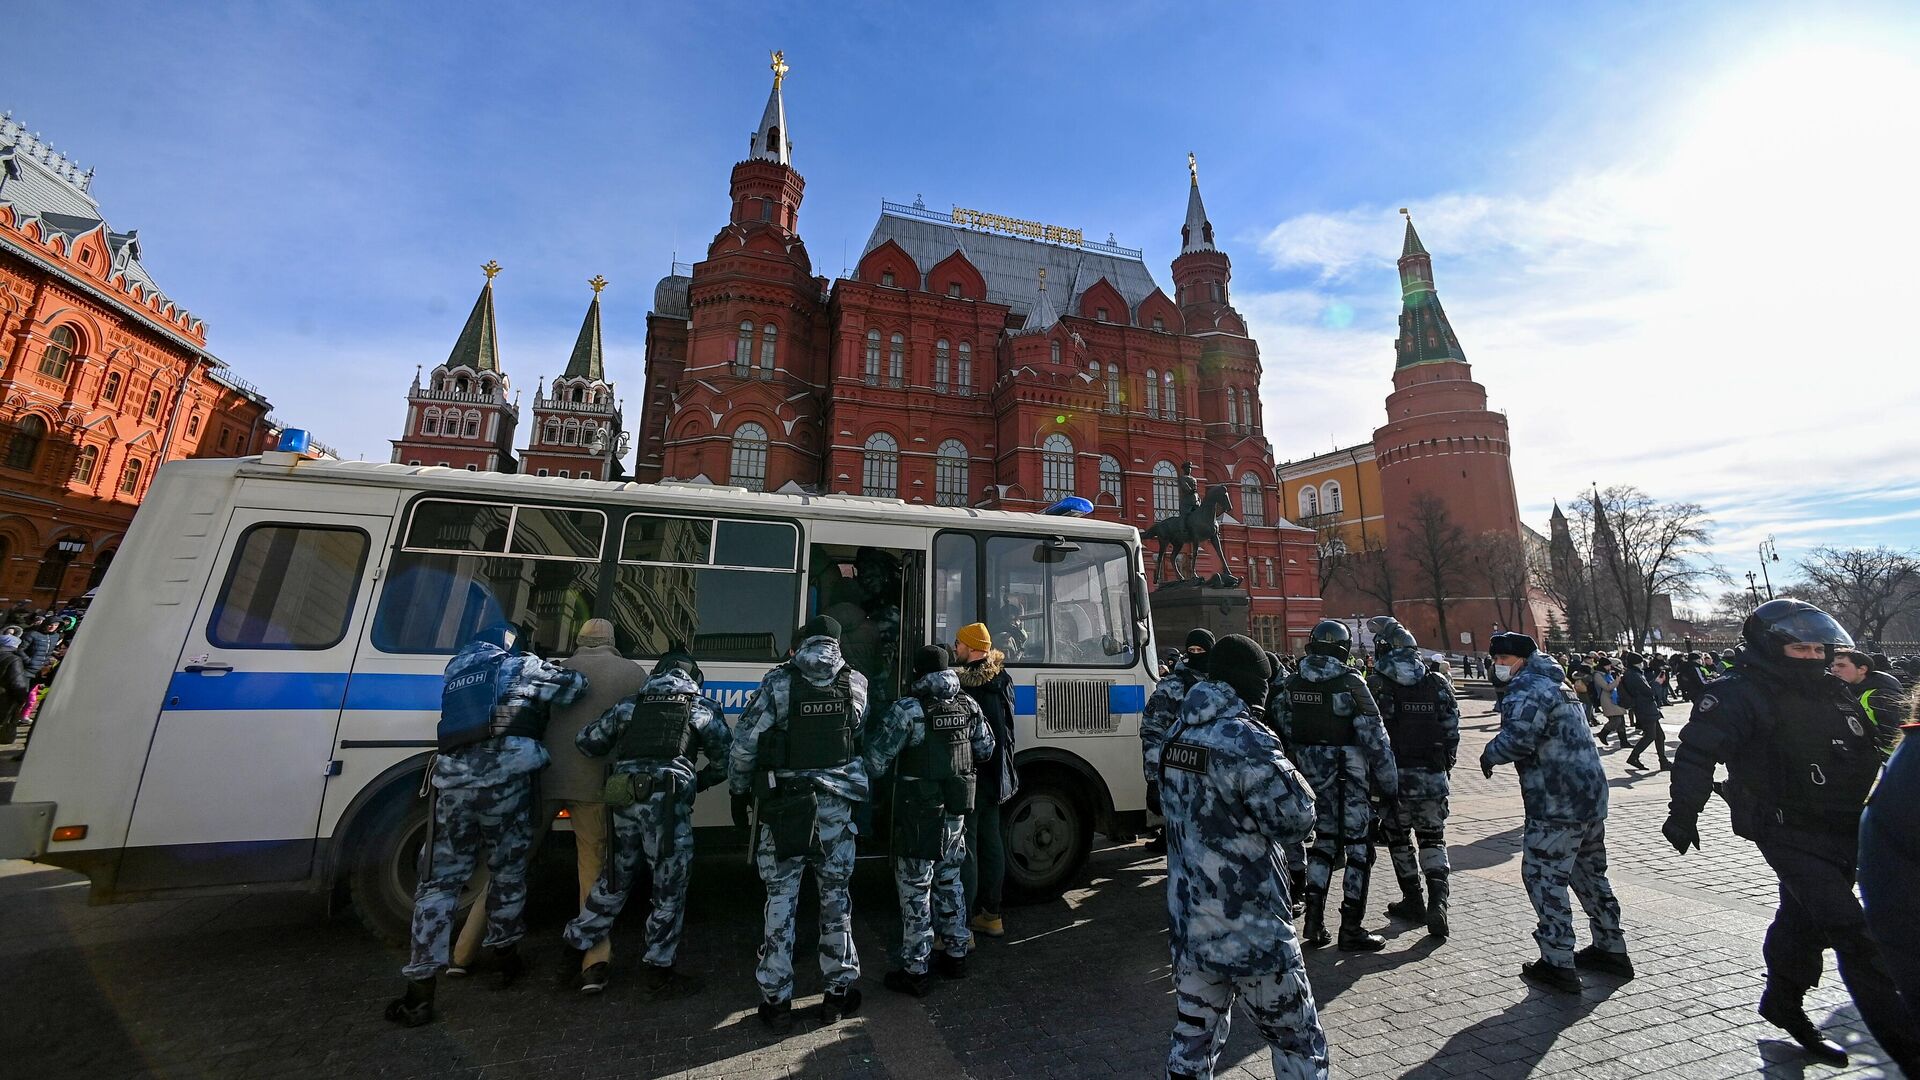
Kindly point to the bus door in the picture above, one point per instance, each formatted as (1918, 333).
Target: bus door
(243, 745)
(874, 588)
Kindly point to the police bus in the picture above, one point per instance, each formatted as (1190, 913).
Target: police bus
(251, 701)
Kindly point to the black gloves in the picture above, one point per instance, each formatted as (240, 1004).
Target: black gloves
(741, 804)
(1153, 799)
(711, 775)
(1682, 830)
(1486, 767)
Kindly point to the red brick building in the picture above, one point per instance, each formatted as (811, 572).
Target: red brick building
(970, 360)
(103, 378)
(461, 417)
(578, 413)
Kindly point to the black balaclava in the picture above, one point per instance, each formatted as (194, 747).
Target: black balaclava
(1242, 664)
(1199, 638)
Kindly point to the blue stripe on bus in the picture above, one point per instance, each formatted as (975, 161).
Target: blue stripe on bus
(374, 692)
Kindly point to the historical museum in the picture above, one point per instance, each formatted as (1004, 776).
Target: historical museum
(103, 379)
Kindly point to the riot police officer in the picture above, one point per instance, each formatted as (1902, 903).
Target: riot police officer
(653, 738)
(1162, 708)
(938, 735)
(1327, 715)
(1800, 760)
(493, 711)
(1231, 799)
(1423, 726)
(796, 757)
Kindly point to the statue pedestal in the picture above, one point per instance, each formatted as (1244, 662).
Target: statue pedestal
(1180, 608)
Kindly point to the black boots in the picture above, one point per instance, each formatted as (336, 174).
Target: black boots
(1594, 958)
(1437, 895)
(778, 1016)
(837, 1004)
(1354, 936)
(1782, 1008)
(664, 983)
(1410, 906)
(1314, 935)
(903, 981)
(949, 966)
(1552, 976)
(416, 1007)
(509, 963)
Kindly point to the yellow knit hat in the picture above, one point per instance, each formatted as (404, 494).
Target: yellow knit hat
(974, 636)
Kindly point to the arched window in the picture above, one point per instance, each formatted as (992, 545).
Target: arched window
(553, 431)
(153, 404)
(59, 352)
(743, 350)
(1330, 496)
(1253, 503)
(85, 463)
(1309, 502)
(748, 468)
(1166, 490)
(1110, 478)
(896, 360)
(570, 434)
(768, 335)
(873, 358)
(950, 474)
(1170, 403)
(462, 385)
(1233, 409)
(1056, 466)
(193, 425)
(130, 476)
(963, 379)
(24, 449)
(486, 387)
(1113, 388)
(940, 366)
(1247, 399)
(1053, 352)
(473, 424)
(880, 466)
(1153, 398)
(430, 422)
(110, 391)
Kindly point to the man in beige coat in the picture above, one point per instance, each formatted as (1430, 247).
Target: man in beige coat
(573, 780)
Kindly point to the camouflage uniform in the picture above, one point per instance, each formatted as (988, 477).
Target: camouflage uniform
(1232, 799)
(930, 890)
(483, 799)
(1342, 777)
(1421, 810)
(1543, 731)
(660, 827)
(838, 791)
(1163, 708)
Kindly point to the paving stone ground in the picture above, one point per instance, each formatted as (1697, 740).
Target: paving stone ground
(264, 986)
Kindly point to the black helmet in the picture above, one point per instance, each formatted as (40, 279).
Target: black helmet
(1777, 624)
(1398, 637)
(1330, 638)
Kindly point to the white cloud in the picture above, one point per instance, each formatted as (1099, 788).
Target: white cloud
(1720, 313)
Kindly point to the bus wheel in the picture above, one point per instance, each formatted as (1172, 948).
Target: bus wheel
(1049, 833)
(385, 865)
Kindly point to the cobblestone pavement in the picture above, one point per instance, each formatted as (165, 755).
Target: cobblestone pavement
(262, 986)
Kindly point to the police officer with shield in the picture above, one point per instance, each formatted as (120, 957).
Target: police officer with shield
(796, 760)
(1800, 760)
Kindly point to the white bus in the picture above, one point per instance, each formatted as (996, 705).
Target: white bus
(252, 699)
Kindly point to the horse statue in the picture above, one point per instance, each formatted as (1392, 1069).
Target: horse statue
(1187, 530)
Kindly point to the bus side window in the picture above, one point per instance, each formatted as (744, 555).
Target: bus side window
(955, 582)
(726, 588)
(1071, 607)
(289, 587)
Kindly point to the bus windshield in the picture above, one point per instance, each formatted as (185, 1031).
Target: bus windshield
(1046, 601)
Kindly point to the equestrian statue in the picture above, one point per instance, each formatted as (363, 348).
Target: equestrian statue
(1197, 520)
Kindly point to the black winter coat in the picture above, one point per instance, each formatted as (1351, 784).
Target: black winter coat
(989, 685)
(1638, 695)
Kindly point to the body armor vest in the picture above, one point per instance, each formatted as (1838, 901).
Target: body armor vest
(946, 752)
(1414, 729)
(1821, 763)
(467, 705)
(660, 728)
(1314, 722)
(822, 730)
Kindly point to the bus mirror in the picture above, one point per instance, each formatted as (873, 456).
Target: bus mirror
(1054, 549)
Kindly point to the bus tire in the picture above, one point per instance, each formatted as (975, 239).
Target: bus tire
(385, 864)
(1048, 827)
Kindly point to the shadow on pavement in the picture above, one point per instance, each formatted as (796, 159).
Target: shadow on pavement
(1517, 1036)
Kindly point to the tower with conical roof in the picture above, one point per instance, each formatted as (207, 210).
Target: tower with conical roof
(461, 417)
(738, 347)
(578, 412)
(1441, 440)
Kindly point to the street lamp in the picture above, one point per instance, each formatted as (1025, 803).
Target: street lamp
(610, 452)
(1767, 554)
(69, 549)
(1753, 592)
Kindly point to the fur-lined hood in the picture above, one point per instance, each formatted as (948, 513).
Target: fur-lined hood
(983, 672)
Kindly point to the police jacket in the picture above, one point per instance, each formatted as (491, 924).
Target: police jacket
(1798, 751)
(1232, 802)
(1326, 714)
(1422, 721)
(1543, 731)
(816, 670)
(904, 734)
(529, 686)
(1890, 855)
(1883, 699)
(1163, 708)
(660, 731)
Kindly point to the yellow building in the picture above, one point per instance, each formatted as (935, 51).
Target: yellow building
(1336, 494)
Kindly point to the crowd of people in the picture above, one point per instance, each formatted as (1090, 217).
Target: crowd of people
(32, 646)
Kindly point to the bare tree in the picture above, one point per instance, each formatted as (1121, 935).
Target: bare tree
(1643, 549)
(1437, 550)
(1374, 575)
(1335, 557)
(1501, 558)
(1867, 588)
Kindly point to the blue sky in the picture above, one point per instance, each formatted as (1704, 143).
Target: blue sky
(1669, 235)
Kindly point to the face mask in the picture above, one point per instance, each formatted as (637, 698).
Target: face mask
(1503, 672)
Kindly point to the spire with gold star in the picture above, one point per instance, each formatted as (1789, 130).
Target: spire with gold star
(770, 142)
(585, 362)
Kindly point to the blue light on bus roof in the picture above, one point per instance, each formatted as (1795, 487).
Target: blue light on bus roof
(295, 440)
(1071, 506)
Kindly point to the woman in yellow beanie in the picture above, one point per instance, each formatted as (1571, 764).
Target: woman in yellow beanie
(984, 678)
